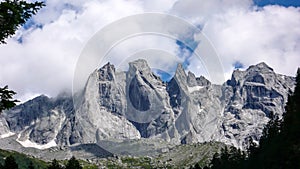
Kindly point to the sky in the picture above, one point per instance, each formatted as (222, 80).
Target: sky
(43, 55)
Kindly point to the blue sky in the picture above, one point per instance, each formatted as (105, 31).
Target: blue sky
(286, 3)
(165, 76)
(238, 65)
(52, 41)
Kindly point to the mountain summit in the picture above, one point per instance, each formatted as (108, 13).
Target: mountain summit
(134, 104)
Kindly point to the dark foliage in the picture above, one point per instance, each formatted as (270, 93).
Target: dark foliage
(73, 163)
(55, 165)
(14, 13)
(10, 163)
(6, 98)
(228, 159)
(30, 166)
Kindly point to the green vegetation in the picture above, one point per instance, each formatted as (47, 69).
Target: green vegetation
(10, 163)
(187, 155)
(73, 163)
(6, 98)
(15, 160)
(21, 160)
(15, 13)
(175, 157)
(143, 162)
(55, 165)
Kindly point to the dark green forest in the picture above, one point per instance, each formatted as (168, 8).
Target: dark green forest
(15, 160)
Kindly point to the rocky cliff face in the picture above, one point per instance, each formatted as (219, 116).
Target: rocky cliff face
(134, 104)
(39, 121)
(250, 98)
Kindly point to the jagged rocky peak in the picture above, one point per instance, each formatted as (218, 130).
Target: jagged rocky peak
(197, 81)
(140, 65)
(236, 77)
(259, 73)
(139, 70)
(202, 81)
(191, 79)
(136, 103)
(180, 75)
(107, 72)
(180, 70)
(256, 93)
(262, 67)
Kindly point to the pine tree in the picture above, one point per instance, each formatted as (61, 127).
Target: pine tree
(6, 98)
(14, 13)
(216, 162)
(10, 163)
(291, 129)
(55, 165)
(265, 156)
(73, 163)
(30, 166)
(197, 166)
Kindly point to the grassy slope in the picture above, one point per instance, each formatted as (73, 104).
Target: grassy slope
(22, 160)
(178, 157)
(181, 156)
(187, 155)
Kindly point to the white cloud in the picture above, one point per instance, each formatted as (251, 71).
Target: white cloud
(44, 63)
(160, 52)
(271, 34)
(200, 11)
(158, 5)
(243, 32)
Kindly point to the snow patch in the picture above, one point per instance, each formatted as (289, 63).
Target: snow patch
(194, 88)
(28, 143)
(7, 135)
(200, 109)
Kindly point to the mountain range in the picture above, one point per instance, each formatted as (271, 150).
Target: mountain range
(136, 104)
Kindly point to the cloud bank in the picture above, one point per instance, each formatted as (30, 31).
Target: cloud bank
(41, 57)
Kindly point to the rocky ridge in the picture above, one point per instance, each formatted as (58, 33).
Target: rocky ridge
(117, 105)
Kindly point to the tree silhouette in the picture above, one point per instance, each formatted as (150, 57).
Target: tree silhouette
(73, 163)
(31, 166)
(55, 165)
(228, 159)
(291, 129)
(6, 98)
(14, 13)
(10, 163)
